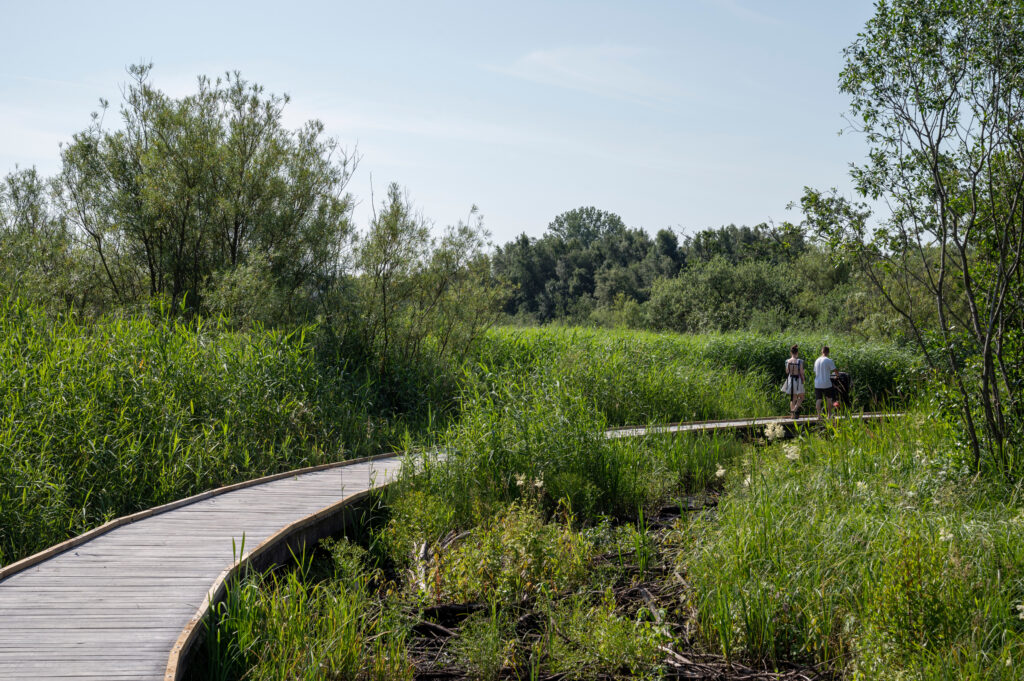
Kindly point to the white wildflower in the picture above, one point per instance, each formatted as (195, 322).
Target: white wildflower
(792, 452)
(945, 535)
(720, 473)
(746, 481)
(911, 493)
(862, 486)
(539, 483)
(520, 479)
(774, 431)
(1020, 610)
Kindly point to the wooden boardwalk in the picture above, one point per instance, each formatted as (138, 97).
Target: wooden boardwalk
(126, 601)
(737, 424)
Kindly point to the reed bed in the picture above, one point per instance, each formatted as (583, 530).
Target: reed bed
(738, 370)
(870, 553)
(109, 418)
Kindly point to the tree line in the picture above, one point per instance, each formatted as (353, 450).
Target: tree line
(208, 205)
(590, 268)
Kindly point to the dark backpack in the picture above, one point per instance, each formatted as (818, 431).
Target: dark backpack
(842, 385)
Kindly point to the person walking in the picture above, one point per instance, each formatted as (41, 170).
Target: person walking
(794, 383)
(823, 368)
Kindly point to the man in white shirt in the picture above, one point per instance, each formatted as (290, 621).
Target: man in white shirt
(823, 368)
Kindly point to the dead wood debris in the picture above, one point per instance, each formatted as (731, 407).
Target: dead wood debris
(660, 590)
(427, 648)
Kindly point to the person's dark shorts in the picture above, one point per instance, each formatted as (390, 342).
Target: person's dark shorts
(825, 393)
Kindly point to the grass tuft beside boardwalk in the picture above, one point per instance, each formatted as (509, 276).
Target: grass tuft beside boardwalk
(869, 552)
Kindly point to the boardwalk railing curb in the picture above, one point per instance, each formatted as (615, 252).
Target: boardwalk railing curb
(176, 662)
(740, 424)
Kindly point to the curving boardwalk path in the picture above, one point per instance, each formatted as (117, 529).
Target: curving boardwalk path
(125, 601)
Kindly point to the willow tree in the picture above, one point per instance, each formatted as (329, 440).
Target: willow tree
(185, 189)
(937, 88)
(418, 294)
(36, 254)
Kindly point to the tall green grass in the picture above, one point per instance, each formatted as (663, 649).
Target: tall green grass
(868, 552)
(542, 439)
(626, 381)
(116, 416)
(881, 372)
(725, 375)
(298, 625)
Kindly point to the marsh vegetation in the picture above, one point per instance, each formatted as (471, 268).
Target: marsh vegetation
(542, 550)
(188, 303)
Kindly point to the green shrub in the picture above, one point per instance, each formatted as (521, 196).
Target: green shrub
(418, 517)
(719, 295)
(592, 640)
(486, 645)
(510, 557)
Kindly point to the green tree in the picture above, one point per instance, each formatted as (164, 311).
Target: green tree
(37, 258)
(765, 242)
(937, 88)
(586, 225)
(187, 188)
(720, 296)
(421, 295)
(586, 259)
(664, 257)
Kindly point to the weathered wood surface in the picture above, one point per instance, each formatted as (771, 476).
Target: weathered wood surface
(116, 606)
(124, 601)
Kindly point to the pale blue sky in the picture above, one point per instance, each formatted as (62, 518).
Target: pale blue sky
(682, 114)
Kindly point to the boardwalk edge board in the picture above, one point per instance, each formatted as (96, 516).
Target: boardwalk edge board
(177, 661)
(738, 424)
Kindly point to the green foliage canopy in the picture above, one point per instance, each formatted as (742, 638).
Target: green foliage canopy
(189, 187)
(937, 88)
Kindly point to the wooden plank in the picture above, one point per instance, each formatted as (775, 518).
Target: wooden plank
(118, 522)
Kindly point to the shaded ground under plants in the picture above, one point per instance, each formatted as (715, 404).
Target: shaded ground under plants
(631, 617)
(522, 596)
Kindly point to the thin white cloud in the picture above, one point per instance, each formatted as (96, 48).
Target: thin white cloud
(740, 11)
(614, 71)
(50, 82)
(375, 126)
(28, 138)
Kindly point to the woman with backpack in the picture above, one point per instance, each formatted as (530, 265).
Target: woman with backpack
(794, 383)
